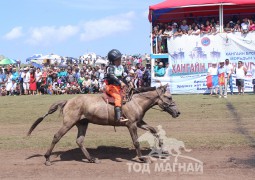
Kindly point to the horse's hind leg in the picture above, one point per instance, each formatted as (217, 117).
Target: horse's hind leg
(82, 128)
(63, 130)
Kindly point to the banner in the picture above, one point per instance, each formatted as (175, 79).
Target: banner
(190, 56)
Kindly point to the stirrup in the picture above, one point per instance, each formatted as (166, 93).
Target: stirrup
(122, 119)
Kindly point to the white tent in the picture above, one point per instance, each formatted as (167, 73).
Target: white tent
(101, 61)
(52, 58)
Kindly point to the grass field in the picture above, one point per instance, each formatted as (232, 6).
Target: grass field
(205, 122)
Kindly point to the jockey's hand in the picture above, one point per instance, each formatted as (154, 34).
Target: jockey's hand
(122, 85)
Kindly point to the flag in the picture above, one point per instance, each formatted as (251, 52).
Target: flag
(212, 81)
(221, 79)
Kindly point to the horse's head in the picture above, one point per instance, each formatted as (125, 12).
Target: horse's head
(166, 102)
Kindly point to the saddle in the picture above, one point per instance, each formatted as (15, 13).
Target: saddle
(126, 95)
(109, 99)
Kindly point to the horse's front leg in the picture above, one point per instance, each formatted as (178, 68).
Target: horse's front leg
(133, 132)
(143, 125)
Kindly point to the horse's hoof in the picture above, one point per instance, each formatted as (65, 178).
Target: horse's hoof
(94, 160)
(145, 159)
(97, 161)
(48, 163)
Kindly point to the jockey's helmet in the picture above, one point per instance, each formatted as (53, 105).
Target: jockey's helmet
(113, 55)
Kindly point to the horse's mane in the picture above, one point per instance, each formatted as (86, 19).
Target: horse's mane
(144, 89)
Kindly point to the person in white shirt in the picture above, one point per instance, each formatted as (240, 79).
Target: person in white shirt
(38, 79)
(213, 71)
(26, 79)
(101, 72)
(229, 82)
(253, 77)
(245, 26)
(13, 90)
(9, 83)
(240, 72)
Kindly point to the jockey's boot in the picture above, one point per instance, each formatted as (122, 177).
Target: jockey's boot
(118, 115)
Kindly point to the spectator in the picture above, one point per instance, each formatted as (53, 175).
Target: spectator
(159, 70)
(236, 28)
(86, 85)
(3, 90)
(229, 82)
(213, 71)
(227, 28)
(139, 75)
(13, 88)
(245, 26)
(196, 31)
(253, 77)
(94, 88)
(252, 26)
(32, 85)
(184, 26)
(9, 83)
(174, 28)
(38, 79)
(2, 79)
(15, 74)
(222, 74)
(240, 72)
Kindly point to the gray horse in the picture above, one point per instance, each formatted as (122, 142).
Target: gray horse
(84, 109)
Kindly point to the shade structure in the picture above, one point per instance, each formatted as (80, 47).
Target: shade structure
(34, 57)
(7, 61)
(171, 9)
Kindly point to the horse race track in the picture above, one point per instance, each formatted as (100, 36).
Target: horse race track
(220, 132)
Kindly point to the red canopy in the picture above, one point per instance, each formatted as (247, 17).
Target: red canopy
(162, 12)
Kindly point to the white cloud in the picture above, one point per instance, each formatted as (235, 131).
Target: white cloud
(46, 35)
(15, 33)
(102, 5)
(93, 30)
(86, 31)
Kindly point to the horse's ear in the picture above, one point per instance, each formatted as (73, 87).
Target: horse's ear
(165, 87)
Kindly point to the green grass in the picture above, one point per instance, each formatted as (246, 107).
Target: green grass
(205, 122)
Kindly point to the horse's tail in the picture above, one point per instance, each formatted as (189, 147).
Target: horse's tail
(53, 108)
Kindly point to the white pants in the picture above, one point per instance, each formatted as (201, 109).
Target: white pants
(26, 85)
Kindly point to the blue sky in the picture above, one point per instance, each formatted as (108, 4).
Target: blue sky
(73, 27)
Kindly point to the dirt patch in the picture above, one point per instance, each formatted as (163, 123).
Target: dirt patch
(231, 163)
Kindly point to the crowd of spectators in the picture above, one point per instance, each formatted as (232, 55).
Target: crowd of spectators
(71, 79)
(193, 26)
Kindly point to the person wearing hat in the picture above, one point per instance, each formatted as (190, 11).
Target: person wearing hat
(114, 82)
(26, 79)
(159, 70)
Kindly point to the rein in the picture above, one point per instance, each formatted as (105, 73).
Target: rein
(164, 106)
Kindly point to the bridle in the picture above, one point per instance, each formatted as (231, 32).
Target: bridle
(165, 106)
